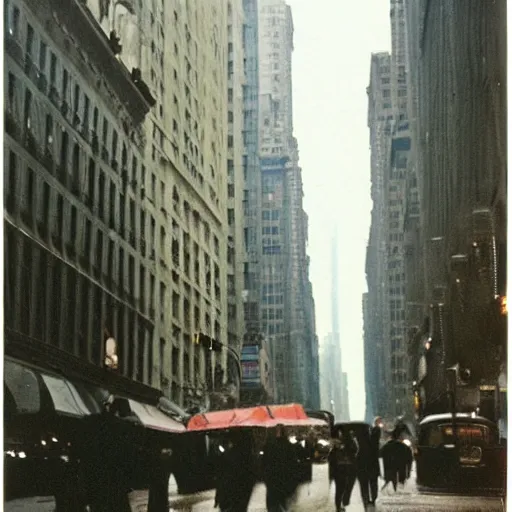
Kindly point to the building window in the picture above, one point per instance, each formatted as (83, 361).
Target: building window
(101, 197)
(30, 41)
(15, 23)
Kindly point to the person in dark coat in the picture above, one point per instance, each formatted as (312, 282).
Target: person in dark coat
(236, 472)
(279, 470)
(397, 458)
(363, 463)
(373, 462)
(342, 466)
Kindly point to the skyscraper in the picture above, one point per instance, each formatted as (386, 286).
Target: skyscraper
(286, 296)
(334, 382)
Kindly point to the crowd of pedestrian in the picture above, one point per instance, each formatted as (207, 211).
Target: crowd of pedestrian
(355, 455)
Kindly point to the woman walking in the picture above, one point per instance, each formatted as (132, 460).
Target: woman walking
(342, 466)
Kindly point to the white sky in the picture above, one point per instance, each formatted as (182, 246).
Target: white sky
(333, 43)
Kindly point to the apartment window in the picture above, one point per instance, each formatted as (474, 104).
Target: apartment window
(101, 197)
(49, 130)
(142, 284)
(153, 187)
(95, 119)
(105, 131)
(64, 151)
(99, 251)
(11, 88)
(152, 294)
(163, 302)
(75, 169)
(231, 190)
(76, 102)
(15, 23)
(86, 112)
(60, 216)
(162, 194)
(65, 83)
(120, 269)
(28, 108)
(87, 239)
(42, 56)
(72, 225)
(110, 262)
(53, 68)
(91, 177)
(13, 178)
(29, 41)
(162, 241)
(46, 204)
(114, 145)
(142, 225)
(112, 204)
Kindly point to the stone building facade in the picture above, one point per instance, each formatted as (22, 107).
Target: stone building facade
(116, 182)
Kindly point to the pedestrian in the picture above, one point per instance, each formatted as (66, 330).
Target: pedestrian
(397, 458)
(342, 466)
(279, 470)
(236, 472)
(374, 464)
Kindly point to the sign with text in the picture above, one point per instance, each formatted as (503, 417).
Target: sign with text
(250, 373)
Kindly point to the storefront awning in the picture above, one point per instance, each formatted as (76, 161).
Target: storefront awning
(24, 386)
(152, 418)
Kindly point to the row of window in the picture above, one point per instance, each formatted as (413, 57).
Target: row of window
(85, 185)
(52, 301)
(59, 222)
(79, 115)
(84, 314)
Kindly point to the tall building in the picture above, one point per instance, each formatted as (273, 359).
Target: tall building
(458, 124)
(286, 297)
(235, 184)
(334, 382)
(116, 183)
(376, 326)
(252, 175)
(435, 261)
(385, 303)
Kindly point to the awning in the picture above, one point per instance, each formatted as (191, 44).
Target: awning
(261, 416)
(152, 418)
(24, 386)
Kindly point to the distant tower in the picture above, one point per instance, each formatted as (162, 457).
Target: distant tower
(339, 377)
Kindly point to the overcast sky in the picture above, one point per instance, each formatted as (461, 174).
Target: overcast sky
(333, 42)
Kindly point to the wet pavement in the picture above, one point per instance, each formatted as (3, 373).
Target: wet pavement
(316, 496)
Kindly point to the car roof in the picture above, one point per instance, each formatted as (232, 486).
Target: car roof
(460, 417)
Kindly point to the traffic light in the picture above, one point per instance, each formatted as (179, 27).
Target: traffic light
(216, 346)
(207, 342)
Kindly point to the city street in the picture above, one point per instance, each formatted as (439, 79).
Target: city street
(316, 496)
